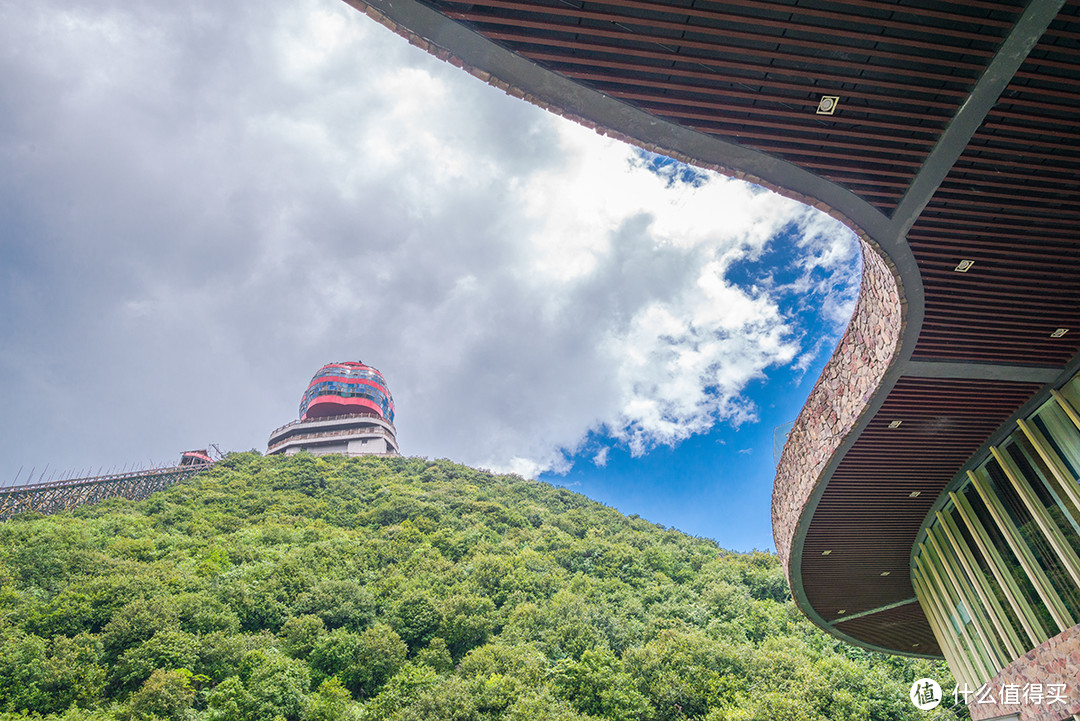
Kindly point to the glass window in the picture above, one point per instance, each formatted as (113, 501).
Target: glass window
(983, 565)
(1061, 434)
(1045, 555)
(1046, 488)
(1011, 564)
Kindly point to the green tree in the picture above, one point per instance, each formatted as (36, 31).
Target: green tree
(363, 662)
(338, 604)
(331, 702)
(49, 675)
(230, 701)
(300, 634)
(165, 695)
(467, 622)
(436, 655)
(518, 601)
(276, 684)
(165, 650)
(597, 685)
(417, 619)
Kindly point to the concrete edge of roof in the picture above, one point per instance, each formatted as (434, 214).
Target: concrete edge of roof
(519, 77)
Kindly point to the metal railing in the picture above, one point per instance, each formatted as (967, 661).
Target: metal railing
(374, 430)
(56, 496)
(331, 418)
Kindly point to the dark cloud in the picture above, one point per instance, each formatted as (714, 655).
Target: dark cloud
(201, 203)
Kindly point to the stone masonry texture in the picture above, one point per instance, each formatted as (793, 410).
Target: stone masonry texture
(840, 396)
(1055, 662)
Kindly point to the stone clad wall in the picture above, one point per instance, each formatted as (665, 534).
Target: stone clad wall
(1054, 662)
(841, 394)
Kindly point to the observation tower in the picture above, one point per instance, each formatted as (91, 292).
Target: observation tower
(346, 408)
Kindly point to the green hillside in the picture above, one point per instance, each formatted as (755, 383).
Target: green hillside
(397, 588)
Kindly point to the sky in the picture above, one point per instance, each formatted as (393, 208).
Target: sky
(201, 203)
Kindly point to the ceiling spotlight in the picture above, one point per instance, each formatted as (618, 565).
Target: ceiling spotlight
(914, 645)
(825, 553)
(895, 424)
(841, 612)
(827, 104)
(885, 573)
(1059, 332)
(914, 494)
(964, 266)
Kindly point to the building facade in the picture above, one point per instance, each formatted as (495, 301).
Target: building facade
(996, 567)
(346, 408)
(923, 503)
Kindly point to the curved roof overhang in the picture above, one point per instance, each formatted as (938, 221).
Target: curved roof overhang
(955, 139)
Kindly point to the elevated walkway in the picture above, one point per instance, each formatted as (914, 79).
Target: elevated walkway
(56, 496)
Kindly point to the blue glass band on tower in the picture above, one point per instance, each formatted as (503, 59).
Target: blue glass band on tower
(347, 388)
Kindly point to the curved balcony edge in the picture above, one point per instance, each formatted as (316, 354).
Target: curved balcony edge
(840, 398)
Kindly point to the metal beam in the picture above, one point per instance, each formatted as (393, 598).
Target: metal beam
(999, 73)
(980, 480)
(982, 371)
(879, 609)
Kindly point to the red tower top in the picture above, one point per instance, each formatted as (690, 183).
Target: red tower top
(348, 388)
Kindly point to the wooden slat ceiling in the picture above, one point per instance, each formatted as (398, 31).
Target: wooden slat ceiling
(752, 72)
(867, 518)
(1011, 204)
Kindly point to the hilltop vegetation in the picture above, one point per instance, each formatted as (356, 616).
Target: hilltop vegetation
(395, 589)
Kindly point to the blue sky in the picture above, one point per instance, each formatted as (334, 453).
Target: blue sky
(718, 484)
(202, 203)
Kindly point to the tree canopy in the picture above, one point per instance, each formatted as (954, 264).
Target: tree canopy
(400, 589)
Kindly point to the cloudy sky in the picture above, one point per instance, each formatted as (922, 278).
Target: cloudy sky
(203, 202)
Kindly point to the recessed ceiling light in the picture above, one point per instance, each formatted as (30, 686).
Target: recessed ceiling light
(827, 104)
(841, 612)
(914, 494)
(825, 553)
(895, 424)
(885, 573)
(1059, 332)
(914, 645)
(964, 266)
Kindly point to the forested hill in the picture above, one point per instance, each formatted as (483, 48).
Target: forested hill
(397, 588)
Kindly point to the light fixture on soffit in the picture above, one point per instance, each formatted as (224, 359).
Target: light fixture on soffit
(827, 104)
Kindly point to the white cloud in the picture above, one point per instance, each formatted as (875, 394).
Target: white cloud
(601, 457)
(219, 200)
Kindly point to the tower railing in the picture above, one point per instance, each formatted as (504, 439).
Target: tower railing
(343, 416)
(374, 431)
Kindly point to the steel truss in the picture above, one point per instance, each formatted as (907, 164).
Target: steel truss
(53, 497)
